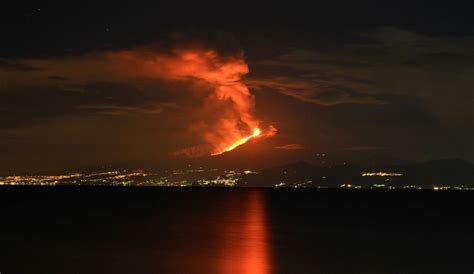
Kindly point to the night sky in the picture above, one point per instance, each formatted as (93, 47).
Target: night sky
(83, 84)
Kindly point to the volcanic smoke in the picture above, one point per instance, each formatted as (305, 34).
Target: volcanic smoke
(235, 123)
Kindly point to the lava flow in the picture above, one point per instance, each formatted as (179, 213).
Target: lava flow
(256, 133)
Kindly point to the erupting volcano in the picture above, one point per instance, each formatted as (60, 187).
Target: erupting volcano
(228, 108)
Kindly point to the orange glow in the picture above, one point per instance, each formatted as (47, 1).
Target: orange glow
(228, 109)
(248, 250)
(256, 133)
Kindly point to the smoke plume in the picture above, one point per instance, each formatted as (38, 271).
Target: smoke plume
(231, 103)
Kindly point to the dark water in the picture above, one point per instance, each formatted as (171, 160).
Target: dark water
(243, 231)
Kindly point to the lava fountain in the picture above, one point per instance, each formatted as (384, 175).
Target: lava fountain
(256, 133)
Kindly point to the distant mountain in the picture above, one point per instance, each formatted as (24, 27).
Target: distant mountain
(447, 172)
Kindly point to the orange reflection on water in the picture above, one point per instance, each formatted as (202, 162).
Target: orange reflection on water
(246, 248)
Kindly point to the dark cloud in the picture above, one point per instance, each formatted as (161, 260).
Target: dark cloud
(335, 95)
(365, 65)
(57, 78)
(290, 147)
(313, 77)
(29, 106)
(12, 65)
(398, 113)
(444, 60)
(343, 63)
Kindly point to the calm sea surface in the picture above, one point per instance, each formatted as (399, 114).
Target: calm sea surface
(242, 231)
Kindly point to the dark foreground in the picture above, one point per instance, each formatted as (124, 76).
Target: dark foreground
(242, 231)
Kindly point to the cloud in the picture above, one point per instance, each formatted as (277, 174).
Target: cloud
(33, 105)
(13, 65)
(290, 147)
(364, 148)
(57, 78)
(367, 66)
(313, 77)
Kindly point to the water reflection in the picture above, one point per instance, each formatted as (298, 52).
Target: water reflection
(245, 247)
(221, 232)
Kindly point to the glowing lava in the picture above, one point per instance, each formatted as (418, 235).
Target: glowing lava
(256, 133)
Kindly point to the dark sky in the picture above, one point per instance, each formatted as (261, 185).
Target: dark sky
(82, 84)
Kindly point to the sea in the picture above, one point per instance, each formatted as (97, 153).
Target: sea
(189, 230)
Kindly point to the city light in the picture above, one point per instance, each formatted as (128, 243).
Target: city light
(382, 174)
